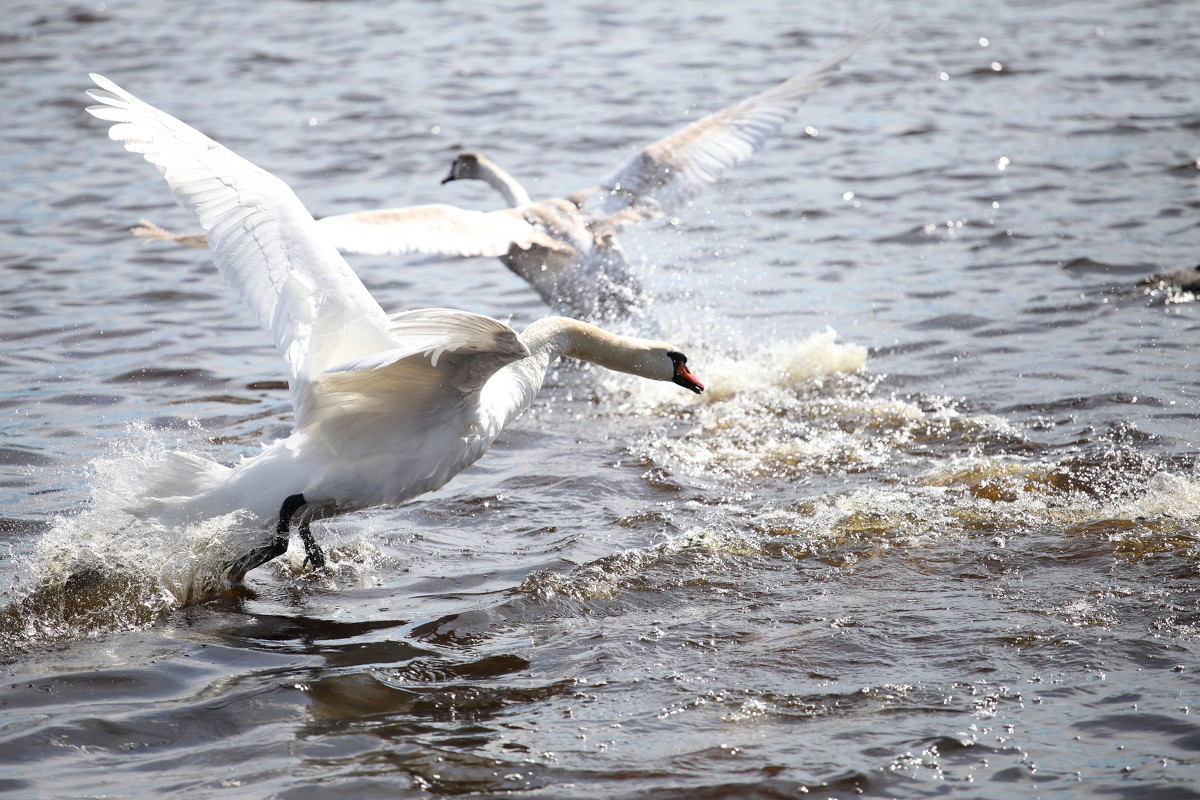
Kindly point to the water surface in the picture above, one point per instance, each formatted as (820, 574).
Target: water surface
(932, 531)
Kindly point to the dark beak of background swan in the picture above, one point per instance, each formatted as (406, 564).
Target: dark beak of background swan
(684, 376)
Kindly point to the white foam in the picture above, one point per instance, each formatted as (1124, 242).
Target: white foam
(608, 576)
(775, 365)
(789, 408)
(1001, 496)
(1168, 495)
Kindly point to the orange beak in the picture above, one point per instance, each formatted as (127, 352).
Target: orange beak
(685, 378)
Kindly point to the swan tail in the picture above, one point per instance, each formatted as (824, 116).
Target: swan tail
(178, 474)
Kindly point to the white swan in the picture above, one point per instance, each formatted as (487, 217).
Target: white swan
(386, 407)
(566, 247)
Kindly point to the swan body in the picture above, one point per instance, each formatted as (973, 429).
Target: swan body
(386, 406)
(566, 248)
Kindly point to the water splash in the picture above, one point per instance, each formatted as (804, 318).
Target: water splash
(780, 365)
(104, 568)
(791, 409)
(704, 550)
(1006, 503)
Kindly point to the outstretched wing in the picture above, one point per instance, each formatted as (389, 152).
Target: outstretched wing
(668, 173)
(416, 389)
(435, 229)
(263, 241)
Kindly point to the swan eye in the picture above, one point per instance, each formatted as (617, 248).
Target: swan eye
(677, 357)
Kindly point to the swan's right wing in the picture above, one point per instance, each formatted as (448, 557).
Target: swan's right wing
(666, 175)
(263, 241)
(441, 360)
(436, 229)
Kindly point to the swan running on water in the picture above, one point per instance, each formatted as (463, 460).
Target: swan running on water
(566, 247)
(386, 407)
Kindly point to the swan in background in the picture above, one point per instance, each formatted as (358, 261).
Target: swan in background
(566, 247)
(386, 407)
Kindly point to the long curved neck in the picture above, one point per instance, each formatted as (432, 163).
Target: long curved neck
(514, 193)
(562, 336)
(511, 390)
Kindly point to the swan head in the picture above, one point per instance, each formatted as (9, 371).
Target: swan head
(660, 361)
(681, 375)
(468, 166)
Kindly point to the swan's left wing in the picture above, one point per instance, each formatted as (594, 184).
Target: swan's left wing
(441, 360)
(263, 240)
(664, 176)
(435, 332)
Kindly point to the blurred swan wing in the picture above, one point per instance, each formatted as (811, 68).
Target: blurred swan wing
(416, 389)
(263, 241)
(153, 232)
(664, 176)
(435, 229)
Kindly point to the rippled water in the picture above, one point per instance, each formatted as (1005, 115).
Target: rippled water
(932, 531)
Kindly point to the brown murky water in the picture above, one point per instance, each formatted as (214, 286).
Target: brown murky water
(933, 530)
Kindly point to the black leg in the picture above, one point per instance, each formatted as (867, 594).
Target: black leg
(258, 556)
(290, 506)
(312, 553)
(279, 543)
